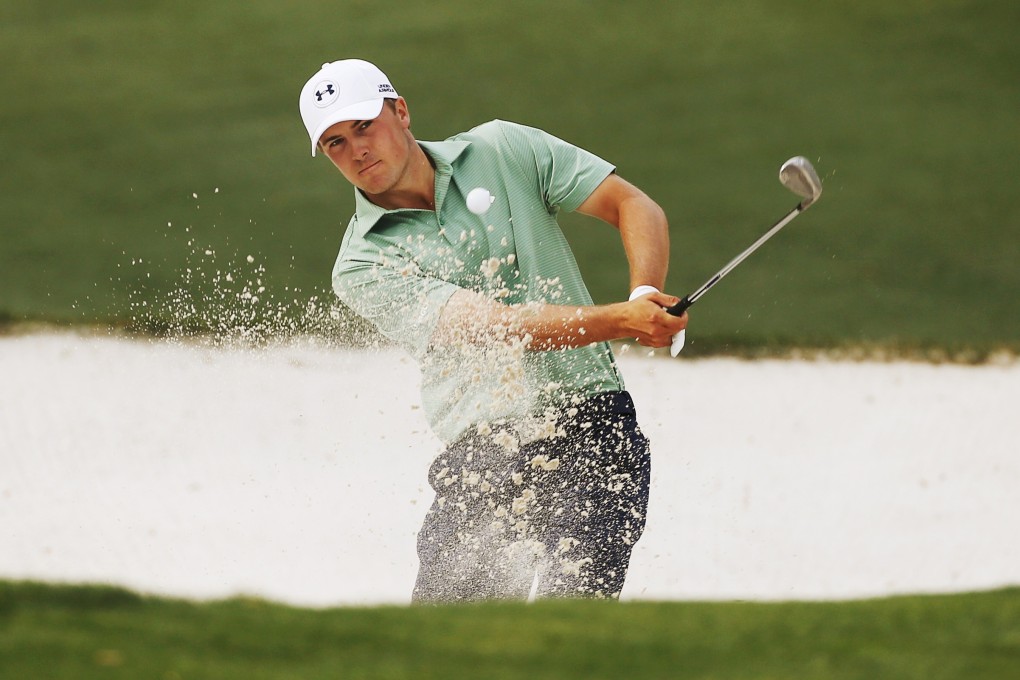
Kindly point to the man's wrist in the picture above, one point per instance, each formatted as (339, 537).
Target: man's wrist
(642, 290)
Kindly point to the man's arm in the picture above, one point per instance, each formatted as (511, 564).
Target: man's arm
(642, 224)
(471, 318)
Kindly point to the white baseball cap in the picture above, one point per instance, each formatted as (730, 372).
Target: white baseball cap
(350, 89)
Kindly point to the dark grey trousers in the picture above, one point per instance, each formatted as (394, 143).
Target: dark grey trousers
(566, 510)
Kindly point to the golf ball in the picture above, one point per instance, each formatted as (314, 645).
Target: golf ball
(479, 200)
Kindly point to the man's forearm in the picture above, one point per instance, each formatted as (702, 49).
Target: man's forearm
(644, 231)
(643, 228)
(550, 327)
(470, 318)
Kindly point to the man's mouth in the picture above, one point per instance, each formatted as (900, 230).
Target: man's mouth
(369, 167)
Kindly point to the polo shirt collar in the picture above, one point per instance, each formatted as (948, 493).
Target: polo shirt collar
(443, 154)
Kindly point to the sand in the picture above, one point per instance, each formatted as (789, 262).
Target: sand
(297, 472)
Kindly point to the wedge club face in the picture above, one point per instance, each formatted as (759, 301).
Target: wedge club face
(799, 176)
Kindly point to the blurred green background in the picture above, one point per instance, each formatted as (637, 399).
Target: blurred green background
(151, 147)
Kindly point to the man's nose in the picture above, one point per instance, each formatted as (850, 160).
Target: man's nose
(360, 147)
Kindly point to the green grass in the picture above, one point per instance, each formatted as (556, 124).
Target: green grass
(114, 114)
(79, 632)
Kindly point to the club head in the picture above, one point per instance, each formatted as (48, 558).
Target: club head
(799, 176)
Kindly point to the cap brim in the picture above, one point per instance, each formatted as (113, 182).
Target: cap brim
(369, 110)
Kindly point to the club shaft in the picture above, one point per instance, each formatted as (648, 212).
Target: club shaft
(679, 308)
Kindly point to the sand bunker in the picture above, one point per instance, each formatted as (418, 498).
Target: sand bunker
(297, 473)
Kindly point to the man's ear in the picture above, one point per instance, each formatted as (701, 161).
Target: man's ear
(403, 113)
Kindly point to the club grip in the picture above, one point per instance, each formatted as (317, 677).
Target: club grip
(679, 308)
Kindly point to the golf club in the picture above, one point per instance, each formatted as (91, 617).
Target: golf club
(797, 175)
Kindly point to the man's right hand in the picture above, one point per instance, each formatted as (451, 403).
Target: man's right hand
(649, 322)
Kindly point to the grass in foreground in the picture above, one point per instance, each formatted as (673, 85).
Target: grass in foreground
(102, 632)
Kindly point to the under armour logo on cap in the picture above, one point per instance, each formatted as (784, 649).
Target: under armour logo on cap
(326, 93)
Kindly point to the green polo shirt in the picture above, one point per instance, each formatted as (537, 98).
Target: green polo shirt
(398, 268)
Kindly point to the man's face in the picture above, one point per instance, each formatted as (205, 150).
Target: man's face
(372, 154)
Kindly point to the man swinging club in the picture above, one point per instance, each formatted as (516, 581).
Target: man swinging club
(545, 473)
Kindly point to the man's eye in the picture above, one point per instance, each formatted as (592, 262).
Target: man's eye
(335, 142)
(366, 125)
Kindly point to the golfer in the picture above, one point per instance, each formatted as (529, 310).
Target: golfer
(542, 487)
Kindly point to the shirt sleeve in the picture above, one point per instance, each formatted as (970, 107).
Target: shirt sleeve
(395, 297)
(566, 174)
